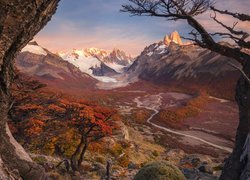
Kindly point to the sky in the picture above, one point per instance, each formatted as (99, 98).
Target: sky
(99, 23)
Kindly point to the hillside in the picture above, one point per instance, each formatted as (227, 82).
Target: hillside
(185, 66)
(51, 69)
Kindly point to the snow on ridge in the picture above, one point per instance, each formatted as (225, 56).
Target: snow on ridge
(79, 52)
(87, 59)
(150, 53)
(161, 47)
(34, 49)
(117, 67)
(85, 64)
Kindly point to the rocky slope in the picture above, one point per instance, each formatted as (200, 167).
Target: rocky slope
(50, 68)
(186, 66)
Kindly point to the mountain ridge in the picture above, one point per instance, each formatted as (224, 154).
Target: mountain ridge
(186, 66)
(51, 69)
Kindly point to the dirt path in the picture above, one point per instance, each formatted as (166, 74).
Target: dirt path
(154, 102)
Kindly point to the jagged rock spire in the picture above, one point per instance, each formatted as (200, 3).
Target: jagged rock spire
(174, 37)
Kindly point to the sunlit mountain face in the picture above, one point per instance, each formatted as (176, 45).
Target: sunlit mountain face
(99, 63)
(94, 57)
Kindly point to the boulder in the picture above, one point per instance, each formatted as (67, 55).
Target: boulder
(192, 174)
(205, 168)
(158, 171)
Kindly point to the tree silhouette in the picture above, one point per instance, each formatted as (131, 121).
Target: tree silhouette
(238, 164)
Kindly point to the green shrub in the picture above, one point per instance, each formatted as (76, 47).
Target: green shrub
(160, 170)
(40, 160)
(54, 176)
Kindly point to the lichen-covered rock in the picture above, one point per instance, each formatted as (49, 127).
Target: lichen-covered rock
(3, 174)
(160, 170)
(206, 169)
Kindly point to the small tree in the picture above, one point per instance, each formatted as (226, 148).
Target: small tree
(61, 123)
(92, 123)
(238, 165)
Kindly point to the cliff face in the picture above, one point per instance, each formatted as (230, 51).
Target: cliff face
(19, 22)
(174, 37)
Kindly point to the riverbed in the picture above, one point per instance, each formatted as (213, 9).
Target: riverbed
(199, 137)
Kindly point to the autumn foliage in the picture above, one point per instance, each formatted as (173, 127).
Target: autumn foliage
(47, 121)
(173, 117)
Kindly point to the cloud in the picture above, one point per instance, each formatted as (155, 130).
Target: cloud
(88, 23)
(121, 37)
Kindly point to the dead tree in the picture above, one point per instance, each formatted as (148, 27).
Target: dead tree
(19, 22)
(237, 165)
(108, 169)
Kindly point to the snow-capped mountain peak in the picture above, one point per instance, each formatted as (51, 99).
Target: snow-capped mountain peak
(169, 44)
(34, 48)
(96, 52)
(98, 63)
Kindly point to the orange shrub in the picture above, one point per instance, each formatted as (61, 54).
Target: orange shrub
(175, 115)
(140, 116)
(30, 107)
(55, 108)
(124, 161)
(116, 150)
(34, 127)
(96, 147)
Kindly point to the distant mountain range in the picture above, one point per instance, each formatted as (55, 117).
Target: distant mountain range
(98, 62)
(185, 65)
(169, 62)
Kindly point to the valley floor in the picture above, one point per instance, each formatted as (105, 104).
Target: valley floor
(211, 132)
(160, 123)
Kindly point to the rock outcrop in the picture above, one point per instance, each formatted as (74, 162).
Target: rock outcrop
(19, 22)
(174, 37)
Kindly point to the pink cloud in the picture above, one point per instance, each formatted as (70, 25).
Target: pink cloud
(101, 38)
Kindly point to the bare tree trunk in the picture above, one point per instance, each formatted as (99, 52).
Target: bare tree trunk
(77, 157)
(82, 153)
(234, 166)
(108, 169)
(19, 22)
(77, 153)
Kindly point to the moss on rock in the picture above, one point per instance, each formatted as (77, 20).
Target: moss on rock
(160, 170)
